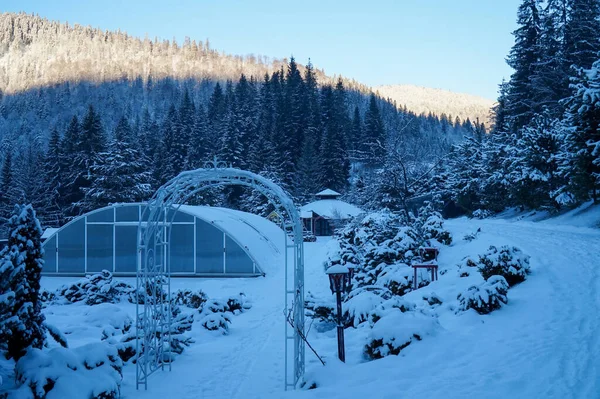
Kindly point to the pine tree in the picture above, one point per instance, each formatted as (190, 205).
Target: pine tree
(120, 175)
(374, 133)
(582, 33)
(26, 255)
(73, 170)
(534, 173)
(199, 147)
(550, 80)
(54, 180)
(7, 199)
(523, 58)
(582, 168)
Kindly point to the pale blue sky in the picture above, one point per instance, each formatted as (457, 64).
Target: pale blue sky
(458, 45)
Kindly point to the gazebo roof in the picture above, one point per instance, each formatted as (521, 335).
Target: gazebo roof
(328, 193)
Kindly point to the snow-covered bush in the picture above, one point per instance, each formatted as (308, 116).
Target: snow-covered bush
(482, 214)
(388, 306)
(96, 289)
(372, 242)
(508, 262)
(430, 224)
(189, 298)
(397, 278)
(93, 371)
(357, 309)
(319, 309)
(217, 322)
(471, 236)
(396, 330)
(238, 303)
(486, 297)
(433, 299)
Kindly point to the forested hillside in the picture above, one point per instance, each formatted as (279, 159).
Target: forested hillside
(120, 131)
(437, 101)
(544, 150)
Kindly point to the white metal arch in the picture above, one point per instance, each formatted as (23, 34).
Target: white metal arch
(153, 272)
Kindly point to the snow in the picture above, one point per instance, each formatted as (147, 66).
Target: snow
(542, 343)
(327, 192)
(330, 209)
(49, 232)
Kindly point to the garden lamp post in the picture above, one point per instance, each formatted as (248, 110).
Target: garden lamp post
(338, 279)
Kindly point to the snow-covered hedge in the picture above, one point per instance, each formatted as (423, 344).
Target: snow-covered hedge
(396, 330)
(93, 371)
(486, 297)
(508, 262)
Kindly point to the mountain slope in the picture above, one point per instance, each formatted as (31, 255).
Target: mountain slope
(36, 52)
(437, 101)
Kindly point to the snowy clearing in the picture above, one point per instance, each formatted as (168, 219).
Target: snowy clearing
(542, 344)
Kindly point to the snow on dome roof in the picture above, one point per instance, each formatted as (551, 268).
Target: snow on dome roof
(262, 238)
(327, 192)
(48, 232)
(331, 209)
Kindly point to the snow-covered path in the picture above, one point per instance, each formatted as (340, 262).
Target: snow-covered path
(544, 344)
(247, 363)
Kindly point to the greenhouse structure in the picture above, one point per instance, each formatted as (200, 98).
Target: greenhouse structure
(205, 242)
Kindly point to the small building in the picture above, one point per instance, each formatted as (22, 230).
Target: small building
(327, 213)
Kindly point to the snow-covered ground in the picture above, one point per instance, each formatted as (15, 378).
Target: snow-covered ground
(543, 344)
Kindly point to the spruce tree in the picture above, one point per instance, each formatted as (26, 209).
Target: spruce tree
(54, 180)
(523, 58)
(121, 173)
(26, 255)
(582, 167)
(374, 135)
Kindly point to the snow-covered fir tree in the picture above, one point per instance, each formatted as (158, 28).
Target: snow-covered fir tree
(21, 263)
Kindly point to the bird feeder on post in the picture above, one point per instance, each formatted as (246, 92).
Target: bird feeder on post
(338, 280)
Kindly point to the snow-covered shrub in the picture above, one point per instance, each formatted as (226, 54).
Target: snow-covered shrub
(432, 299)
(396, 330)
(372, 242)
(388, 306)
(235, 304)
(217, 322)
(319, 309)
(471, 236)
(238, 303)
(430, 224)
(357, 309)
(93, 371)
(508, 262)
(482, 214)
(189, 298)
(486, 297)
(397, 278)
(96, 289)
(216, 306)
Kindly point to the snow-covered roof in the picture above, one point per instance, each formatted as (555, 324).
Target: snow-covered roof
(327, 192)
(330, 209)
(48, 232)
(263, 239)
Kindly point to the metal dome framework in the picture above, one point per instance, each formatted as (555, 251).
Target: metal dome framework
(153, 275)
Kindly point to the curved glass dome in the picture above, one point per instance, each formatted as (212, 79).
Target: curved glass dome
(205, 241)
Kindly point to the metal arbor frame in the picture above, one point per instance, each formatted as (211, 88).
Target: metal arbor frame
(153, 272)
